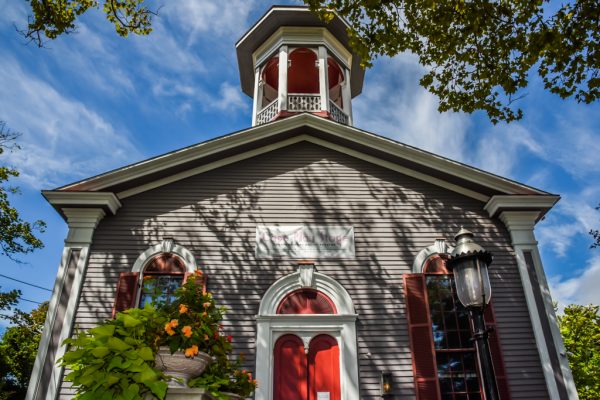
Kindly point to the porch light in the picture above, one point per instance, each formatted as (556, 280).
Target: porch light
(469, 263)
(386, 384)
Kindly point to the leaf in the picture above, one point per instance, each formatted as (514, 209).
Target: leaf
(100, 352)
(158, 388)
(117, 344)
(130, 322)
(146, 354)
(103, 330)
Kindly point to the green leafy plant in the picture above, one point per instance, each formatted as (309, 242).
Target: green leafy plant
(193, 321)
(225, 377)
(115, 360)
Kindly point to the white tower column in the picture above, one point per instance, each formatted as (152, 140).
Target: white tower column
(323, 79)
(283, 74)
(347, 96)
(257, 106)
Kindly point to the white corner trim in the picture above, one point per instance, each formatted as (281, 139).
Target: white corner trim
(500, 203)
(520, 225)
(60, 199)
(341, 326)
(439, 247)
(166, 246)
(82, 224)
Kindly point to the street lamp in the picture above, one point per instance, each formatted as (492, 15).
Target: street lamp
(469, 263)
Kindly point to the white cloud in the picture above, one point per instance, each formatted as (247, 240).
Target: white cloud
(209, 19)
(230, 97)
(581, 289)
(573, 216)
(393, 104)
(62, 138)
(502, 147)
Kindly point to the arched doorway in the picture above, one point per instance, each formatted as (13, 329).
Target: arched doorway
(306, 340)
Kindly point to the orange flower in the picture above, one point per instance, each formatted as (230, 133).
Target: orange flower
(174, 323)
(183, 309)
(205, 337)
(198, 272)
(169, 329)
(187, 331)
(191, 351)
(147, 277)
(205, 314)
(207, 304)
(255, 382)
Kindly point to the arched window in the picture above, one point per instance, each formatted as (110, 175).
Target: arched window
(303, 72)
(455, 354)
(444, 358)
(306, 301)
(160, 278)
(165, 265)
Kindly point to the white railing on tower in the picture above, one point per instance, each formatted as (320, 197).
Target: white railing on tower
(304, 102)
(337, 114)
(268, 113)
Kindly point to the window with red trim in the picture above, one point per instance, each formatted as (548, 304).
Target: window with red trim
(455, 354)
(161, 277)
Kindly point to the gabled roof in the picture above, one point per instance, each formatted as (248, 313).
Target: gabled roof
(154, 172)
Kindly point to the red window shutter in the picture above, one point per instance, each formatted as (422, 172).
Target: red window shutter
(126, 292)
(496, 352)
(421, 338)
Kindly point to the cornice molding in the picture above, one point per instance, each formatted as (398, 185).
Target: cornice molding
(61, 200)
(539, 203)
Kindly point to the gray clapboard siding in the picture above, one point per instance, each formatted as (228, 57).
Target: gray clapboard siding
(214, 215)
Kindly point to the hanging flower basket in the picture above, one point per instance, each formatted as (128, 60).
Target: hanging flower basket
(179, 367)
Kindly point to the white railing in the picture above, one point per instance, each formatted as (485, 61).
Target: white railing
(268, 113)
(304, 102)
(337, 114)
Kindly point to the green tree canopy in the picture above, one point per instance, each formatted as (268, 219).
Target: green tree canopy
(52, 18)
(479, 55)
(18, 349)
(580, 329)
(16, 235)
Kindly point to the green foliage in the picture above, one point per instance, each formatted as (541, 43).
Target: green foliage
(52, 18)
(478, 55)
(18, 349)
(194, 321)
(16, 235)
(595, 235)
(580, 329)
(225, 377)
(115, 360)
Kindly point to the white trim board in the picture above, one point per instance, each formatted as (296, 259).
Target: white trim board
(272, 129)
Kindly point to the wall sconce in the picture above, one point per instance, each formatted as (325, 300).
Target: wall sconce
(386, 384)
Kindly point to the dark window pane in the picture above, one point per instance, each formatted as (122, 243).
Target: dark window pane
(473, 384)
(450, 321)
(453, 340)
(459, 384)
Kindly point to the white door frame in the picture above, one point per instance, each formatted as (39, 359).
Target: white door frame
(341, 326)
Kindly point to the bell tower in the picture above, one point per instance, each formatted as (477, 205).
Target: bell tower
(291, 62)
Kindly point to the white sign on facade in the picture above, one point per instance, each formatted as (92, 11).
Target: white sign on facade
(304, 241)
(323, 396)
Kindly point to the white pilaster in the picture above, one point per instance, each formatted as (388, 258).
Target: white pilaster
(256, 106)
(520, 224)
(323, 78)
(347, 95)
(82, 222)
(282, 93)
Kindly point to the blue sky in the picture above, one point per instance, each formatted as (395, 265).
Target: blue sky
(93, 101)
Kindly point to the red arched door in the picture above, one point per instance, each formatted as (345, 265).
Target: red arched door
(297, 377)
(324, 368)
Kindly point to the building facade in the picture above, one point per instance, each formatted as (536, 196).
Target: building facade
(326, 243)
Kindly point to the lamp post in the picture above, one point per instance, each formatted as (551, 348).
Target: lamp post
(469, 263)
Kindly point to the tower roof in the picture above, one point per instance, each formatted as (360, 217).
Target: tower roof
(293, 16)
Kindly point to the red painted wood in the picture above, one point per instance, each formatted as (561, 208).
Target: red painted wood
(496, 352)
(303, 73)
(290, 373)
(421, 338)
(306, 301)
(324, 367)
(126, 292)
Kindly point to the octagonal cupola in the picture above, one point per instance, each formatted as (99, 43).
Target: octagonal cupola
(291, 62)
